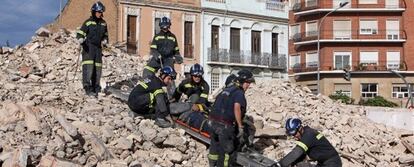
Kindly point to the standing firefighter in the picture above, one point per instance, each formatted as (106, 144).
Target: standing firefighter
(227, 115)
(164, 49)
(148, 96)
(196, 88)
(309, 142)
(91, 36)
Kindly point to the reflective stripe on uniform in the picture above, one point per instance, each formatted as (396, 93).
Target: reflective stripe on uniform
(177, 48)
(87, 62)
(200, 107)
(158, 91)
(171, 38)
(203, 95)
(226, 159)
(98, 64)
(150, 68)
(302, 145)
(178, 90)
(90, 23)
(213, 157)
(188, 85)
(319, 136)
(159, 37)
(81, 33)
(151, 100)
(144, 85)
(154, 46)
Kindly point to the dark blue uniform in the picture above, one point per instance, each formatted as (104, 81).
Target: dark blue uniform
(149, 95)
(223, 122)
(95, 31)
(189, 88)
(316, 146)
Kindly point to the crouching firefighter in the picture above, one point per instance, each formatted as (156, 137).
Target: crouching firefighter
(226, 120)
(91, 36)
(164, 49)
(309, 142)
(196, 89)
(148, 96)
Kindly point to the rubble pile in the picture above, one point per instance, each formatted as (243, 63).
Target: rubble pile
(47, 120)
(359, 141)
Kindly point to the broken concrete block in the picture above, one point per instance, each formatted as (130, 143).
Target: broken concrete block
(43, 32)
(124, 143)
(98, 147)
(50, 161)
(68, 127)
(31, 119)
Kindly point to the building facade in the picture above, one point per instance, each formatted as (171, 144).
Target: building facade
(367, 37)
(240, 34)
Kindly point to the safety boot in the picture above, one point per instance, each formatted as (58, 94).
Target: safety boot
(163, 123)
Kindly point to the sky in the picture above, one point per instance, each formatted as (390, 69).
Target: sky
(19, 19)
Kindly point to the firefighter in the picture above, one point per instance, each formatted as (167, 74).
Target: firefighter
(164, 49)
(148, 96)
(226, 120)
(196, 88)
(309, 142)
(91, 36)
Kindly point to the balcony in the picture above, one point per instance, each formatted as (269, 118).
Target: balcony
(307, 7)
(246, 58)
(350, 36)
(217, 1)
(366, 66)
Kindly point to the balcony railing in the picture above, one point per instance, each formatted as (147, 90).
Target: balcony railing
(343, 35)
(356, 66)
(275, 5)
(246, 58)
(218, 1)
(305, 5)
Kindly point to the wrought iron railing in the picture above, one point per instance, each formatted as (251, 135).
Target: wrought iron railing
(356, 66)
(362, 34)
(305, 5)
(246, 58)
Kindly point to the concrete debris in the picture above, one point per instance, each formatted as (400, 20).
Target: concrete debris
(43, 107)
(43, 32)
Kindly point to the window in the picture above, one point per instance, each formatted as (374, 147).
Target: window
(342, 29)
(188, 39)
(215, 81)
(157, 28)
(393, 60)
(311, 3)
(342, 60)
(312, 59)
(294, 61)
(313, 88)
(368, 58)
(235, 39)
(275, 44)
(368, 2)
(343, 88)
(400, 91)
(294, 31)
(392, 4)
(215, 37)
(311, 28)
(368, 27)
(256, 47)
(369, 90)
(393, 29)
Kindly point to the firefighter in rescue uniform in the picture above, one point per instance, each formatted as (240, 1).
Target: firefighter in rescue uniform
(148, 96)
(91, 36)
(196, 89)
(164, 49)
(228, 112)
(309, 142)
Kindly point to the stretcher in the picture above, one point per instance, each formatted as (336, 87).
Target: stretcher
(245, 157)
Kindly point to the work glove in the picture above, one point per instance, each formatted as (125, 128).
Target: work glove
(81, 40)
(105, 43)
(178, 59)
(276, 164)
(195, 107)
(240, 135)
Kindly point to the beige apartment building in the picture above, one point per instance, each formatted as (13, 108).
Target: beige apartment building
(367, 37)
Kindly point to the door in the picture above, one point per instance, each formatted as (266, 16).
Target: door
(235, 45)
(393, 29)
(256, 47)
(132, 34)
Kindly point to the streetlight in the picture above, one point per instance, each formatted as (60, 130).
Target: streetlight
(342, 4)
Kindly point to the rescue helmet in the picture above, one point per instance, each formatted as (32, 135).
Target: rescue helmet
(292, 126)
(245, 76)
(168, 71)
(98, 7)
(196, 70)
(165, 22)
